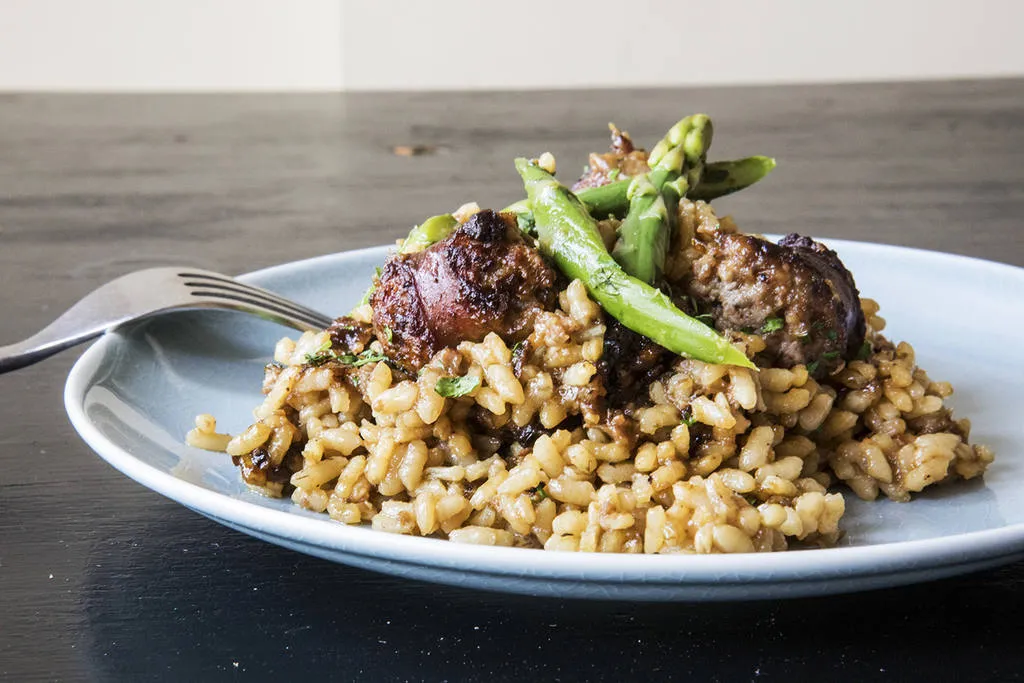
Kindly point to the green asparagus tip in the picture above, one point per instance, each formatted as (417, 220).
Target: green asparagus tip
(568, 235)
(430, 231)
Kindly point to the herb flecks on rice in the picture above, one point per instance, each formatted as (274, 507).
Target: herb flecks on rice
(481, 394)
(715, 459)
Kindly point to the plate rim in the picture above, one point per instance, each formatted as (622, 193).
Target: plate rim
(684, 569)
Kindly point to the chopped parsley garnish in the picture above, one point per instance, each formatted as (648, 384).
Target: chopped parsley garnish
(830, 355)
(525, 222)
(361, 359)
(388, 334)
(540, 492)
(771, 325)
(832, 335)
(325, 353)
(687, 418)
(453, 387)
(519, 345)
(321, 355)
(812, 367)
(865, 351)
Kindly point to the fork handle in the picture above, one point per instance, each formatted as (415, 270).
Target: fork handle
(95, 313)
(37, 348)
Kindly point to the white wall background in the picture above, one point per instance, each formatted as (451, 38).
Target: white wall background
(170, 45)
(419, 44)
(539, 43)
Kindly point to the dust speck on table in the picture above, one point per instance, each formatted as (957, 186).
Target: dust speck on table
(415, 150)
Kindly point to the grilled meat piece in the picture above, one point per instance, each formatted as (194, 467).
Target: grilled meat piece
(509, 432)
(630, 362)
(351, 335)
(258, 470)
(936, 423)
(623, 161)
(745, 280)
(482, 278)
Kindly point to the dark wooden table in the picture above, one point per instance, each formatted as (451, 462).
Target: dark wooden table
(100, 579)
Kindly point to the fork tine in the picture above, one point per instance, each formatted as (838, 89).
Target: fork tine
(314, 320)
(263, 296)
(144, 293)
(258, 295)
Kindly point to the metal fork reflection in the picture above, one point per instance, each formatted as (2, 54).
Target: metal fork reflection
(148, 292)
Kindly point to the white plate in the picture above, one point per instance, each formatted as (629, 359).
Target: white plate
(134, 394)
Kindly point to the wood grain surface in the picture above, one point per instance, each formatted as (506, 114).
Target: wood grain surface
(101, 579)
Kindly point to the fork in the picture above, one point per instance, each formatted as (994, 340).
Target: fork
(148, 292)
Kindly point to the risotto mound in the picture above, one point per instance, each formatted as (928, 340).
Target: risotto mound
(513, 409)
(715, 459)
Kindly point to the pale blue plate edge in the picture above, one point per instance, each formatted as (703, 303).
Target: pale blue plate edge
(627, 576)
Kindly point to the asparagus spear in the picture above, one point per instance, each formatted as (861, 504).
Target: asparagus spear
(568, 235)
(725, 177)
(720, 178)
(430, 231)
(644, 233)
(677, 163)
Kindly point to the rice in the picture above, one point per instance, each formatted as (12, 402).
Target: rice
(714, 459)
